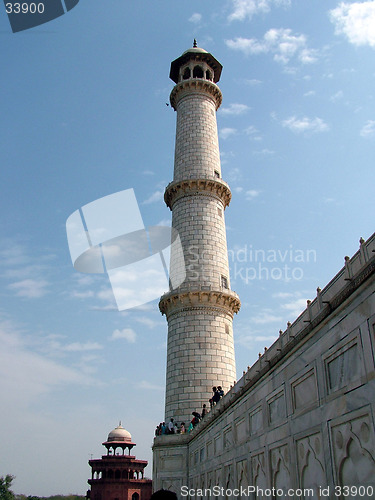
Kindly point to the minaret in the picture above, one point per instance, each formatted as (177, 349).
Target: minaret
(200, 352)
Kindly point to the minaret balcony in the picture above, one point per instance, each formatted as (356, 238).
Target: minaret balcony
(196, 85)
(207, 186)
(193, 295)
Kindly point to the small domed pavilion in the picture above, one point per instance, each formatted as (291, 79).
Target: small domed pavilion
(117, 475)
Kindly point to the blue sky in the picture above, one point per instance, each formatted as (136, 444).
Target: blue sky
(84, 115)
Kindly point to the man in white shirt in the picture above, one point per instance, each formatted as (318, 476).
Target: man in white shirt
(171, 427)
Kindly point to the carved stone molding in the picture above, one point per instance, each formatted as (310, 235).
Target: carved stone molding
(353, 444)
(205, 186)
(183, 300)
(310, 463)
(195, 85)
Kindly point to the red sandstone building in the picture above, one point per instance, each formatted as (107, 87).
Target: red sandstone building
(117, 476)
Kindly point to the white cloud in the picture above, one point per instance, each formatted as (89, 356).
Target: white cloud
(264, 152)
(165, 222)
(253, 82)
(250, 341)
(106, 295)
(227, 132)
(25, 375)
(295, 308)
(243, 9)
(82, 295)
(336, 97)
(281, 42)
(234, 175)
(305, 124)
(251, 194)
(150, 386)
(150, 323)
(368, 130)
(235, 109)
(356, 21)
(53, 346)
(125, 334)
(30, 288)
(309, 93)
(196, 18)
(265, 317)
(156, 196)
(270, 339)
(253, 133)
(79, 346)
(282, 295)
(251, 130)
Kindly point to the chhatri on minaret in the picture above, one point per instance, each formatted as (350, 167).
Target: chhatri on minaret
(200, 351)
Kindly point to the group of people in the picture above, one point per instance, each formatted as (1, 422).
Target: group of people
(170, 428)
(173, 428)
(218, 393)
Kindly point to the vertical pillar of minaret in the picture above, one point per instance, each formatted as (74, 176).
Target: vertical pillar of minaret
(200, 350)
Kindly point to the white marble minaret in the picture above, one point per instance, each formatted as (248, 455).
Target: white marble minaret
(200, 311)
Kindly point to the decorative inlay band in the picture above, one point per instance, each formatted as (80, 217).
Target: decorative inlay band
(185, 87)
(209, 186)
(180, 300)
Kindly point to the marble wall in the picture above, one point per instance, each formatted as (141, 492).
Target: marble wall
(303, 416)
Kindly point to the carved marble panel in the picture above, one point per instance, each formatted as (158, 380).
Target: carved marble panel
(209, 449)
(202, 482)
(173, 462)
(210, 479)
(304, 391)
(343, 367)
(276, 408)
(259, 470)
(217, 444)
(172, 485)
(242, 476)
(229, 480)
(240, 430)
(371, 326)
(256, 420)
(310, 463)
(280, 467)
(353, 450)
(218, 480)
(228, 438)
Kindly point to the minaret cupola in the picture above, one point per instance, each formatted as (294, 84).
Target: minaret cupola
(195, 63)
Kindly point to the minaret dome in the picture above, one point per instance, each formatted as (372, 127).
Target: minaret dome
(195, 63)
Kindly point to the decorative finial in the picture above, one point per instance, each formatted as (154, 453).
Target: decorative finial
(195, 44)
